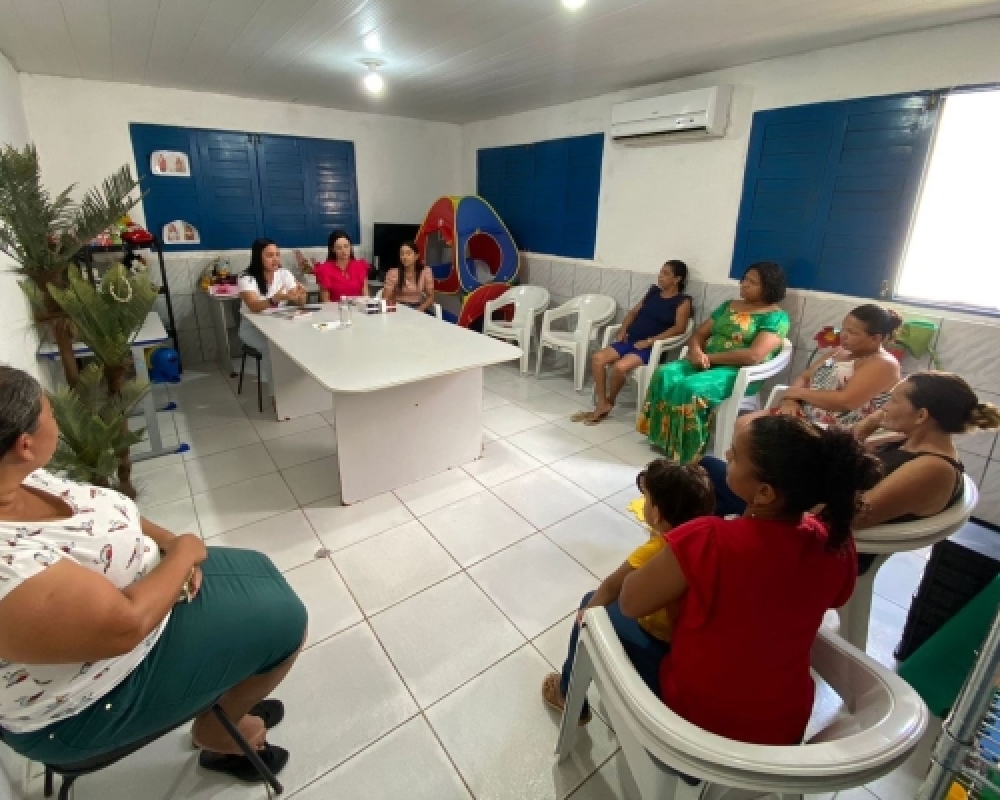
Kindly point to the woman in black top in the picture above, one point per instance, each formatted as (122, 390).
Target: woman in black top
(923, 473)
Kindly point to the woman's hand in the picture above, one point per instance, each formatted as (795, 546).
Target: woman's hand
(792, 393)
(622, 334)
(791, 408)
(698, 358)
(188, 546)
(644, 344)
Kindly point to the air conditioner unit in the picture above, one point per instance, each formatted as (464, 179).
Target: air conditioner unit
(698, 114)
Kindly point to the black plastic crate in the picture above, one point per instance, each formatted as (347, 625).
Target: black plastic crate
(960, 568)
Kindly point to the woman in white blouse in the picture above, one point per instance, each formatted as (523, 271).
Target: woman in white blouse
(265, 284)
(113, 629)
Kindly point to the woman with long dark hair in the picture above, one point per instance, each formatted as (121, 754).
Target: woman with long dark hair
(341, 275)
(411, 283)
(265, 284)
(753, 590)
(663, 313)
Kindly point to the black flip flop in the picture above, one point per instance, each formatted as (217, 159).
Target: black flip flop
(271, 711)
(240, 767)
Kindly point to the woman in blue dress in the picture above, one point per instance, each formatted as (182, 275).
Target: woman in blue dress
(663, 313)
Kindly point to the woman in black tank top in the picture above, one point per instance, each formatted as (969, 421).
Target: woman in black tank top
(923, 473)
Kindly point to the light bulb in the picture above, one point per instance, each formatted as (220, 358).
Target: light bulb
(374, 82)
(574, 5)
(372, 42)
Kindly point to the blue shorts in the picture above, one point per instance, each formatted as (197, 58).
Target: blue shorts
(628, 348)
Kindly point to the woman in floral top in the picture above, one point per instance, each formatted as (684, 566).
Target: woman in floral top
(682, 394)
(113, 629)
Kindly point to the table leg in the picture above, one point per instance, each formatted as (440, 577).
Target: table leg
(148, 410)
(222, 357)
(389, 438)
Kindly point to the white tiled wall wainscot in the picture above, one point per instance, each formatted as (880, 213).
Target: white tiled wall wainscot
(966, 347)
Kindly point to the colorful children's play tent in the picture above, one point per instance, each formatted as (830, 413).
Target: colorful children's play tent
(470, 251)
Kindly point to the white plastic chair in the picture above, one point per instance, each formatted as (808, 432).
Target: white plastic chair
(729, 409)
(592, 312)
(884, 729)
(528, 302)
(898, 537)
(437, 306)
(642, 375)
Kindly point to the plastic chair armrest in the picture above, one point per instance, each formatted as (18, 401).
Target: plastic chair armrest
(565, 310)
(609, 332)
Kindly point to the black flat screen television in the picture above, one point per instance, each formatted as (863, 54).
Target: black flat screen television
(387, 239)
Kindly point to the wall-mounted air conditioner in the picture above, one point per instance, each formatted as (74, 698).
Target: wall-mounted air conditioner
(698, 114)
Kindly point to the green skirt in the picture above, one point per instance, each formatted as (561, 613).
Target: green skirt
(677, 413)
(245, 621)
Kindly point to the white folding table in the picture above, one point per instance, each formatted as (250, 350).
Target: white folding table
(406, 390)
(151, 333)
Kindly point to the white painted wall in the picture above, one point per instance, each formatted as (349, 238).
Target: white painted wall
(18, 340)
(682, 200)
(81, 129)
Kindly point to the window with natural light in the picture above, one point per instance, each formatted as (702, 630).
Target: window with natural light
(953, 255)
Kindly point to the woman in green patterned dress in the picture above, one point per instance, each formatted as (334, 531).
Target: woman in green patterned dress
(682, 394)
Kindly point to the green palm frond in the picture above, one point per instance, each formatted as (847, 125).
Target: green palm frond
(42, 232)
(92, 428)
(107, 319)
(102, 206)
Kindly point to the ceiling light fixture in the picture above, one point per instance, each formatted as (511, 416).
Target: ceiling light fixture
(372, 42)
(373, 81)
(574, 5)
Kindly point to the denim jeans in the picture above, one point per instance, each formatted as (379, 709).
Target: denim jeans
(644, 651)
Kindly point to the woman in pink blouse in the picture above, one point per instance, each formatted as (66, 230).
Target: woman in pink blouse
(411, 284)
(341, 275)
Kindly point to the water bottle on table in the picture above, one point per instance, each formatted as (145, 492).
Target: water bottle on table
(345, 312)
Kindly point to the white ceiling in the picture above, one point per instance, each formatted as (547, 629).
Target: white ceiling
(453, 60)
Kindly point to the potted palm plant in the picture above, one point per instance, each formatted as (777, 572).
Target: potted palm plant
(43, 233)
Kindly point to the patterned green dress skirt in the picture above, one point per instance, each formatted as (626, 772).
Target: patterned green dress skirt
(678, 411)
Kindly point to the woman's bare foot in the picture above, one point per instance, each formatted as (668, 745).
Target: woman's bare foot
(208, 734)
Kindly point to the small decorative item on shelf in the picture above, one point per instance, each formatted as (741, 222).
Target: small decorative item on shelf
(307, 265)
(826, 338)
(216, 274)
(916, 337)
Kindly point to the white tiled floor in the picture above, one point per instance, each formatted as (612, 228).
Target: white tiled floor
(441, 606)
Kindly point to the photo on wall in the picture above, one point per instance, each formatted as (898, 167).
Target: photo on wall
(170, 163)
(180, 232)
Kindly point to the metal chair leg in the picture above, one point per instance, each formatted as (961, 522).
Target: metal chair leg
(243, 368)
(67, 788)
(248, 751)
(48, 782)
(260, 389)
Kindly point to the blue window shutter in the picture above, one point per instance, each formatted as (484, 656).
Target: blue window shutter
(585, 155)
(228, 190)
(547, 193)
(167, 198)
(786, 165)
(284, 200)
(873, 181)
(331, 180)
(830, 188)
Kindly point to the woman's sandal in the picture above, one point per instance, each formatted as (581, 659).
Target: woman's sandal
(554, 699)
(580, 416)
(593, 418)
(240, 767)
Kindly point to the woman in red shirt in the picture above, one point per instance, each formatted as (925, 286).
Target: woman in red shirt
(753, 590)
(341, 275)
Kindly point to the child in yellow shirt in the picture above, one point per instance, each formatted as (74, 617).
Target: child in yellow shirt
(672, 495)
